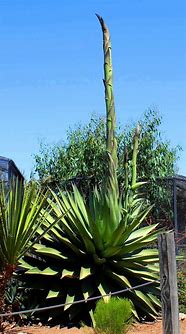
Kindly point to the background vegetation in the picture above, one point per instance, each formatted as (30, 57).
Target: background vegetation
(81, 159)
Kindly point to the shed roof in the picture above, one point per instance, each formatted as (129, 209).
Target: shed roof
(7, 164)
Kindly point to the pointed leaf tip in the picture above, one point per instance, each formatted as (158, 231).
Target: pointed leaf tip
(99, 17)
(102, 22)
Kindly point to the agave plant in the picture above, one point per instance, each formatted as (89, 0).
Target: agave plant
(100, 246)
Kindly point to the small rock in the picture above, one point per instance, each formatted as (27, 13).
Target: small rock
(182, 316)
(21, 333)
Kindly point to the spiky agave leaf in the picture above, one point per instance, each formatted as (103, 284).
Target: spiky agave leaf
(96, 249)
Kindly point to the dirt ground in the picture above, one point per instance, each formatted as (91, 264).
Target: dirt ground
(150, 328)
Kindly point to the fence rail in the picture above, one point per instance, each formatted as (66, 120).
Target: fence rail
(77, 301)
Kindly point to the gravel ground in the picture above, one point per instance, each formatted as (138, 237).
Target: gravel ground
(150, 328)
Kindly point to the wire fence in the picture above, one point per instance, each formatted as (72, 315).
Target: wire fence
(41, 309)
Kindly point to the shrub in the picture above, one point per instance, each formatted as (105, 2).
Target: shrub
(182, 290)
(181, 278)
(114, 316)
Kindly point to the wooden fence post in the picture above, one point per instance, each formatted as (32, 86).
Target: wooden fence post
(168, 283)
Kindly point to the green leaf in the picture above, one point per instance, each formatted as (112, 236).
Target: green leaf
(49, 272)
(137, 185)
(52, 294)
(120, 279)
(34, 270)
(69, 301)
(104, 290)
(68, 273)
(85, 272)
(142, 232)
(145, 300)
(51, 252)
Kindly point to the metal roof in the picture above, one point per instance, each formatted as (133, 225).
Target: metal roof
(6, 164)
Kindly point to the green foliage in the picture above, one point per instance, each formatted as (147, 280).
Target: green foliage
(85, 149)
(96, 248)
(156, 161)
(82, 159)
(113, 317)
(11, 294)
(83, 154)
(22, 212)
(182, 288)
(18, 298)
(160, 158)
(20, 209)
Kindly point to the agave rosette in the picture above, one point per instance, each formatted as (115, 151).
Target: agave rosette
(96, 249)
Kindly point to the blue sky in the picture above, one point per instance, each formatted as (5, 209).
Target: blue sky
(51, 68)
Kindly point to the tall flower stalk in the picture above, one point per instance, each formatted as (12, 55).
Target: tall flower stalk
(111, 142)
